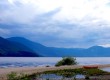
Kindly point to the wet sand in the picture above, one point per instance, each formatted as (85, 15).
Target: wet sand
(31, 70)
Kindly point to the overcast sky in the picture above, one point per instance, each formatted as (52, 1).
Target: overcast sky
(57, 23)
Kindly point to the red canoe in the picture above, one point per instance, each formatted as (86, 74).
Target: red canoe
(90, 67)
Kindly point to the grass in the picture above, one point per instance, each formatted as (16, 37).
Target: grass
(21, 76)
(91, 72)
(68, 73)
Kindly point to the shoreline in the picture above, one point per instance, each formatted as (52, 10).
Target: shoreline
(31, 70)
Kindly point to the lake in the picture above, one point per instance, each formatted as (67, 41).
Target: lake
(43, 61)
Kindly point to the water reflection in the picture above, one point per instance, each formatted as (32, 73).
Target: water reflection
(106, 69)
(59, 76)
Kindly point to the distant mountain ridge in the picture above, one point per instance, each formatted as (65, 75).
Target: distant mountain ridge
(35, 49)
(14, 49)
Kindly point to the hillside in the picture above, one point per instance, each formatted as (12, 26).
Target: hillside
(14, 49)
(94, 51)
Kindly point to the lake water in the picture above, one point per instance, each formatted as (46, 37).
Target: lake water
(43, 61)
(59, 77)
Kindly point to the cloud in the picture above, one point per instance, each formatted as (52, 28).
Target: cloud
(61, 23)
(4, 32)
(105, 45)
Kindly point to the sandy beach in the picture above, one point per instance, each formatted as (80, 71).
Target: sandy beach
(31, 70)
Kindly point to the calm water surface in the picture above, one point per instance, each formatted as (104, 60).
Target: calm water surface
(43, 61)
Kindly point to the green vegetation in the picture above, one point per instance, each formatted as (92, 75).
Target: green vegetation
(12, 76)
(91, 72)
(66, 61)
(71, 73)
(15, 76)
(65, 73)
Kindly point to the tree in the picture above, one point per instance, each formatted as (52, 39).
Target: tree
(66, 61)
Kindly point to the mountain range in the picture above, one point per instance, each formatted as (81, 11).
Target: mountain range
(22, 47)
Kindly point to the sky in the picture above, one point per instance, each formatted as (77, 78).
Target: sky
(57, 23)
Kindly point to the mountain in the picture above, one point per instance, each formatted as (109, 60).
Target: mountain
(98, 51)
(36, 47)
(14, 49)
(46, 51)
(94, 51)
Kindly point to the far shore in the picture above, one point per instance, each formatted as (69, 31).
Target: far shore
(32, 70)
